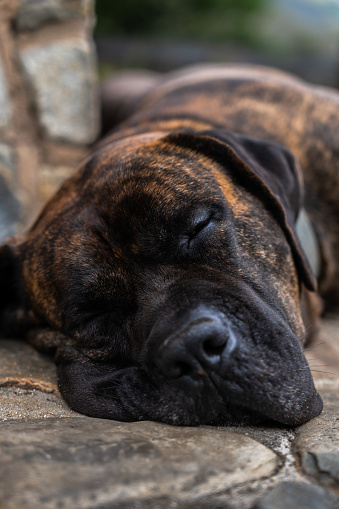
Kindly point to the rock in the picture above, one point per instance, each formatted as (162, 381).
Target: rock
(35, 13)
(9, 205)
(317, 443)
(28, 384)
(23, 367)
(7, 162)
(4, 101)
(31, 404)
(9, 211)
(84, 462)
(62, 78)
(292, 495)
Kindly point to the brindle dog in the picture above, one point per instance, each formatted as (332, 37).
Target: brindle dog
(167, 274)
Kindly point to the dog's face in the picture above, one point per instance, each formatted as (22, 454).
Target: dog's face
(169, 265)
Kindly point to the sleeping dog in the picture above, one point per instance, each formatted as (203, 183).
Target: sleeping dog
(167, 275)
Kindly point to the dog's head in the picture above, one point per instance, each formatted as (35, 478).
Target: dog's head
(170, 266)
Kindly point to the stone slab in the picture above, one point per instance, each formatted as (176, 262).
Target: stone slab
(35, 13)
(62, 77)
(84, 462)
(4, 100)
(292, 495)
(24, 368)
(31, 404)
(317, 443)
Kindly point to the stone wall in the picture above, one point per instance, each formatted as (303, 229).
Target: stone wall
(49, 114)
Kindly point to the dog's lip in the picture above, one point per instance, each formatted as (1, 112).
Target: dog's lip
(294, 417)
(307, 402)
(291, 419)
(308, 412)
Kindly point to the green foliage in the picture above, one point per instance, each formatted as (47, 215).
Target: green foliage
(215, 20)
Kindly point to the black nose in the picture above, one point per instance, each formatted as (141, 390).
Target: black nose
(199, 347)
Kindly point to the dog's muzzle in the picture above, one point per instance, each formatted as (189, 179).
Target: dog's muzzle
(201, 353)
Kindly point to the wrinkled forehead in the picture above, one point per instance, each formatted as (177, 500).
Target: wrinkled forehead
(144, 171)
(153, 165)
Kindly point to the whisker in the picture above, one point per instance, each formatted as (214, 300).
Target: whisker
(327, 372)
(304, 334)
(317, 371)
(316, 366)
(321, 365)
(311, 348)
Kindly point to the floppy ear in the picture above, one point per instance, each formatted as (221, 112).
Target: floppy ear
(267, 169)
(14, 311)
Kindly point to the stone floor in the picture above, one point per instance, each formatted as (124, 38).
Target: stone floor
(51, 457)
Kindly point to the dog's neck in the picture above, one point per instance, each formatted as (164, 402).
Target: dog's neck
(309, 241)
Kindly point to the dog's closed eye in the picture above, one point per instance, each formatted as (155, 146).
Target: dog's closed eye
(201, 226)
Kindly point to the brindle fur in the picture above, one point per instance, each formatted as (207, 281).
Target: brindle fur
(178, 228)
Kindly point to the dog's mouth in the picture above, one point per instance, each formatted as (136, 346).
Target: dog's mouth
(225, 374)
(212, 402)
(207, 397)
(206, 406)
(131, 395)
(200, 366)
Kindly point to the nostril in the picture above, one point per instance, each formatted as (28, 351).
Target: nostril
(214, 346)
(193, 349)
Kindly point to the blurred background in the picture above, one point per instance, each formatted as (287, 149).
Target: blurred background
(301, 36)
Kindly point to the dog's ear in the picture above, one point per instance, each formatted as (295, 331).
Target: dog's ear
(14, 314)
(266, 169)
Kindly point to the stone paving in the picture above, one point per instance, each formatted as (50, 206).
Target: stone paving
(52, 457)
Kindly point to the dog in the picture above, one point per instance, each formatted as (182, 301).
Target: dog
(167, 275)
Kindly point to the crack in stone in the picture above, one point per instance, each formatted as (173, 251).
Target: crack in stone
(311, 466)
(288, 468)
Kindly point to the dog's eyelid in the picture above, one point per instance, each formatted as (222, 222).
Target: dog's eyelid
(199, 223)
(203, 218)
(202, 223)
